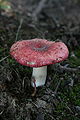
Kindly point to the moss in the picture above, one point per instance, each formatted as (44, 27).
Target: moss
(75, 61)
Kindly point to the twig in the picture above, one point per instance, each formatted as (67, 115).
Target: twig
(38, 9)
(1, 112)
(4, 58)
(18, 30)
(55, 91)
(68, 69)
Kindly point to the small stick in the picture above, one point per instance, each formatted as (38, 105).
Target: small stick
(17, 34)
(68, 69)
(55, 91)
(4, 58)
(38, 9)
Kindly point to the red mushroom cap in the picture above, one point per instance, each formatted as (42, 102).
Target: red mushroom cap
(38, 52)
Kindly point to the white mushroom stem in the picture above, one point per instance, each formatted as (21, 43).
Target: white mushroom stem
(39, 76)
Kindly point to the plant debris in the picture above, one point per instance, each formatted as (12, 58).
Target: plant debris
(59, 99)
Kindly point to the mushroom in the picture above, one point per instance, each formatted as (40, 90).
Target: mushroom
(38, 53)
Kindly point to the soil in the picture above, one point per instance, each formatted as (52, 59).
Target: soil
(59, 98)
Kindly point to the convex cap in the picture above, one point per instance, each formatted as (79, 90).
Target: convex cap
(38, 52)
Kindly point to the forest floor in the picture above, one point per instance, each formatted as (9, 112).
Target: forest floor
(59, 98)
